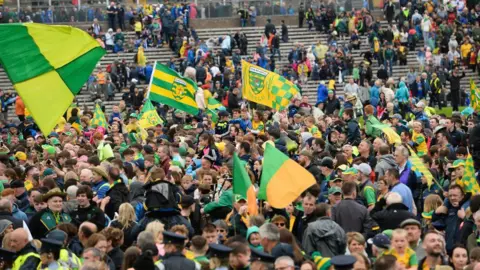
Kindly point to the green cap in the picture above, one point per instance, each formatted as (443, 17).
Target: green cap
(335, 179)
(330, 91)
(350, 171)
(187, 127)
(54, 141)
(50, 149)
(427, 215)
(334, 190)
(133, 115)
(458, 163)
(388, 233)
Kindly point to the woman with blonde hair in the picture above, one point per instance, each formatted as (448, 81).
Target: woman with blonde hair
(355, 243)
(156, 228)
(431, 203)
(126, 221)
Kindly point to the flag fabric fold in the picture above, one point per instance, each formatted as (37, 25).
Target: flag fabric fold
(265, 87)
(392, 136)
(213, 104)
(282, 180)
(242, 185)
(98, 119)
(47, 65)
(474, 96)
(149, 116)
(419, 166)
(469, 181)
(170, 88)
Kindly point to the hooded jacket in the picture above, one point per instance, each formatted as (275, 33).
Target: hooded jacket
(322, 93)
(390, 217)
(384, 163)
(253, 229)
(402, 94)
(118, 194)
(324, 236)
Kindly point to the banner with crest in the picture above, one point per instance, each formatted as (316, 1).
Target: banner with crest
(172, 89)
(265, 87)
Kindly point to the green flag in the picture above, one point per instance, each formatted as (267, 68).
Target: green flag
(213, 114)
(99, 118)
(213, 103)
(242, 185)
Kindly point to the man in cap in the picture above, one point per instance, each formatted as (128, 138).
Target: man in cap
(174, 258)
(334, 195)
(380, 243)
(50, 254)
(414, 236)
(67, 257)
(343, 262)
(21, 194)
(326, 169)
(100, 184)
(26, 254)
(367, 192)
(305, 159)
(350, 175)
(221, 253)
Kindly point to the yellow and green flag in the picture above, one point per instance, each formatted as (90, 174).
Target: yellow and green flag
(98, 119)
(213, 103)
(469, 181)
(265, 87)
(474, 96)
(282, 180)
(212, 114)
(149, 116)
(170, 88)
(242, 185)
(419, 166)
(47, 65)
(392, 136)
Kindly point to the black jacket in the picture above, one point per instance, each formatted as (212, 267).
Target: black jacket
(116, 255)
(331, 105)
(353, 133)
(301, 223)
(455, 81)
(17, 223)
(176, 261)
(390, 217)
(129, 234)
(315, 171)
(91, 213)
(118, 194)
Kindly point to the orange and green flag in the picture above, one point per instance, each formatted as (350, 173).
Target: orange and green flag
(47, 65)
(283, 180)
(242, 185)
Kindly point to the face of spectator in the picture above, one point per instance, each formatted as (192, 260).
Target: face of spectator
(308, 204)
(433, 245)
(39, 206)
(356, 247)
(211, 237)
(88, 256)
(459, 258)
(97, 177)
(283, 265)
(82, 200)
(455, 196)
(55, 204)
(306, 266)
(102, 246)
(399, 157)
(399, 242)
(32, 196)
(413, 233)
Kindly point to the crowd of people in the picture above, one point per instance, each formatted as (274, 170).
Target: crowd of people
(89, 197)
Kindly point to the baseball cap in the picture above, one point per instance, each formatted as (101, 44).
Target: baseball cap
(21, 155)
(457, 163)
(350, 171)
(410, 221)
(342, 167)
(364, 168)
(380, 240)
(48, 171)
(334, 190)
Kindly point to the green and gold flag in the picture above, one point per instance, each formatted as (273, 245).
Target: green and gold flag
(474, 96)
(170, 88)
(98, 119)
(419, 166)
(149, 116)
(47, 65)
(469, 180)
(265, 87)
(213, 103)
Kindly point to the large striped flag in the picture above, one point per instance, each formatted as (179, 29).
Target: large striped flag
(213, 103)
(419, 166)
(469, 180)
(474, 96)
(149, 116)
(282, 180)
(47, 65)
(170, 88)
(98, 119)
(242, 185)
(265, 87)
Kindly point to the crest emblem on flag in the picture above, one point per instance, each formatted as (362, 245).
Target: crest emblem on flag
(257, 80)
(178, 89)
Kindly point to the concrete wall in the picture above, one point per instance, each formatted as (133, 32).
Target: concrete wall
(235, 21)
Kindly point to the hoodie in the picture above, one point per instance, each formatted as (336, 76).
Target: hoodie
(322, 93)
(402, 94)
(253, 229)
(384, 163)
(19, 214)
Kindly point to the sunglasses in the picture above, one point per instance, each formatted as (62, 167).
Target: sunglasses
(220, 231)
(280, 224)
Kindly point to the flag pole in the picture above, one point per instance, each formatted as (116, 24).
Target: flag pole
(151, 79)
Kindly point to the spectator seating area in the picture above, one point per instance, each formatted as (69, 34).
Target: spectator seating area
(303, 36)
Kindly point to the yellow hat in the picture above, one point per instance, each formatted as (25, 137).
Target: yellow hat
(21, 155)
